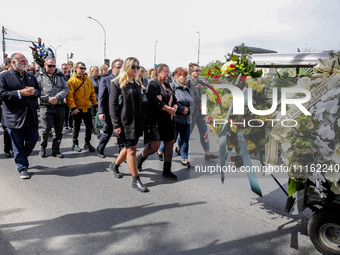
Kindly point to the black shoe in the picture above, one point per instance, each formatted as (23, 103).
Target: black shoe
(211, 156)
(42, 152)
(138, 185)
(100, 154)
(159, 156)
(89, 147)
(57, 154)
(24, 174)
(178, 151)
(114, 168)
(238, 161)
(169, 175)
(8, 154)
(75, 147)
(186, 163)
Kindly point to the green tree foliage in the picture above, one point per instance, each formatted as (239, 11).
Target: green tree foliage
(212, 65)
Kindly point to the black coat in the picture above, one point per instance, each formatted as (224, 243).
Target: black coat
(156, 113)
(126, 111)
(14, 109)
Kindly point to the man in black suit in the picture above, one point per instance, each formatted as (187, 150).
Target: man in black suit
(18, 92)
(103, 106)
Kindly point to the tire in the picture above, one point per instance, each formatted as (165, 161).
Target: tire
(324, 232)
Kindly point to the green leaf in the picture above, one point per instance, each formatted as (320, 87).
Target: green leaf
(294, 186)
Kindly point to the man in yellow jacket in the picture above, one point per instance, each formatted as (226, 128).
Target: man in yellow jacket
(79, 98)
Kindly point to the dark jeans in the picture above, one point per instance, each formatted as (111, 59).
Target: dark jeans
(78, 118)
(198, 119)
(184, 131)
(23, 142)
(52, 117)
(7, 141)
(106, 134)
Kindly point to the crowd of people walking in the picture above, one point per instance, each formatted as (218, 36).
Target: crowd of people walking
(161, 109)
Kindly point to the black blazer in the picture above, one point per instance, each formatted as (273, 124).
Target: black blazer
(14, 109)
(126, 114)
(103, 95)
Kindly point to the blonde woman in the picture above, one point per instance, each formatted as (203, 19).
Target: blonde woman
(125, 105)
(104, 71)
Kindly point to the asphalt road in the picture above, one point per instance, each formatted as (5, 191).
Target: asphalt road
(74, 206)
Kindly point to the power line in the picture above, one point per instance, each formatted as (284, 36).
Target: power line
(18, 34)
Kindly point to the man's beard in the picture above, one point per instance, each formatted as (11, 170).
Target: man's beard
(21, 67)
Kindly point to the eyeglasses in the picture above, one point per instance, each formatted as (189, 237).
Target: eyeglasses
(143, 71)
(50, 66)
(135, 67)
(82, 68)
(197, 70)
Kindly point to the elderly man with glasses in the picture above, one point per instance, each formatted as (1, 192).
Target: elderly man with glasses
(18, 92)
(54, 89)
(80, 98)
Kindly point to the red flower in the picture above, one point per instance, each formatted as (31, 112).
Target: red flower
(232, 65)
(219, 69)
(216, 76)
(206, 78)
(209, 72)
(243, 78)
(234, 76)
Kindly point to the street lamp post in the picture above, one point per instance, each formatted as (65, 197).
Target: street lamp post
(154, 61)
(198, 58)
(55, 50)
(104, 35)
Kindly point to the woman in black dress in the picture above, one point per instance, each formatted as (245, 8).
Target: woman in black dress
(160, 125)
(125, 104)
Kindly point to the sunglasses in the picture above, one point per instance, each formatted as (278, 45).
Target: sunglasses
(82, 68)
(50, 66)
(135, 67)
(197, 70)
(143, 71)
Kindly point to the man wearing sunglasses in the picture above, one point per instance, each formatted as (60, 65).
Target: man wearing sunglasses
(80, 97)
(54, 89)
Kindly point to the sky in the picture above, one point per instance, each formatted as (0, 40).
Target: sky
(133, 27)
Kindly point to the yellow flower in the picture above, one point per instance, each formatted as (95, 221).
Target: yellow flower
(226, 100)
(216, 112)
(234, 128)
(259, 88)
(224, 68)
(251, 145)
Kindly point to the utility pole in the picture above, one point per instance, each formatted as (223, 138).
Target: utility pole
(199, 39)
(3, 43)
(104, 35)
(154, 61)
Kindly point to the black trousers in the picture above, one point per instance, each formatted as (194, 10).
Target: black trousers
(107, 133)
(78, 118)
(52, 117)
